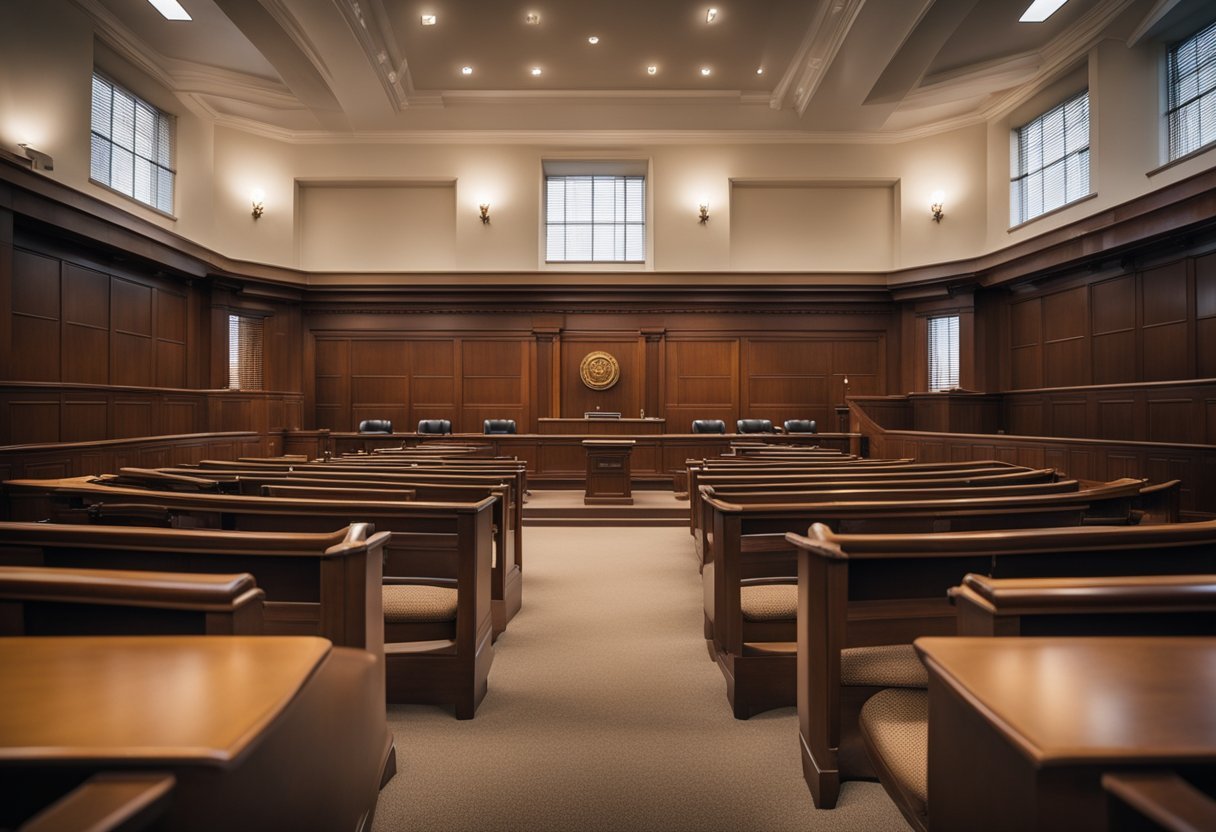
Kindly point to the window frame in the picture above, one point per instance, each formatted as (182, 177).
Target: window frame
(237, 320)
(1019, 214)
(575, 163)
(164, 146)
(1172, 84)
(953, 363)
(622, 180)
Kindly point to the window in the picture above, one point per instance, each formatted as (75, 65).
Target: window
(1051, 163)
(244, 353)
(595, 219)
(943, 352)
(1191, 106)
(132, 150)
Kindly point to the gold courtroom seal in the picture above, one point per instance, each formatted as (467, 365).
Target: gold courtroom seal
(599, 370)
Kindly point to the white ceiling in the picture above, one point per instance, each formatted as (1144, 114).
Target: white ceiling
(871, 67)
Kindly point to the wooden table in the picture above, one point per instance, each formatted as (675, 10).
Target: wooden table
(1021, 730)
(609, 427)
(608, 475)
(222, 714)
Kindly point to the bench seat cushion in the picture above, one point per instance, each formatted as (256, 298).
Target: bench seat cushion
(769, 602)
(895, 725)
(884, 666)
(409, 604)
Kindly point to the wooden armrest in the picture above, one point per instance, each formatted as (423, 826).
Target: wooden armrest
(1163, 798)
(1013, 596)
(127, 588)
(396, 580)
(107, 803)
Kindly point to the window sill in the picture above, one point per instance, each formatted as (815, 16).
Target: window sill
(1199, 151)
(133, 200)
(1052, 212)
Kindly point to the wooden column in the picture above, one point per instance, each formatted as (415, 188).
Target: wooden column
(548, 362)
(652, 361)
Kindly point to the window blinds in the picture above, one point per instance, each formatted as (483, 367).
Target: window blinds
(595, 219)
(132, 146)
(1191, 106)
(1051, 167)
(943, 352)
(244, 353)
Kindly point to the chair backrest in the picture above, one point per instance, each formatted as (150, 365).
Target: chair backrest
(499, 426)
(436, 426)
(754, 426)
(708, 426)
(376, 426)
(801, 426)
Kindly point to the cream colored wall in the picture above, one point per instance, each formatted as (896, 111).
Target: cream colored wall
(45, 64)
(47, 56)
(1126, 89)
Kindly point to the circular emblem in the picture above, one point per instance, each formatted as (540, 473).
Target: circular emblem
(599, 370)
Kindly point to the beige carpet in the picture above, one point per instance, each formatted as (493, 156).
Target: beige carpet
(605, 713)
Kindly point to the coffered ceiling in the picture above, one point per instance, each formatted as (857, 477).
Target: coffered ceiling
(759, 69)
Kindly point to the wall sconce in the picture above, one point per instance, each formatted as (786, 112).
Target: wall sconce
(259, 202)
(485, 213)
(704, 216)
(42, 161)
(938, 202)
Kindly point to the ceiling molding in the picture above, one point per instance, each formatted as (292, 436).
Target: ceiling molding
(369, 23)
(582, 138)
(819, 48)
(123, 41)
(1151, 20)
(287, 21)
(977, 80)
(1060, 54)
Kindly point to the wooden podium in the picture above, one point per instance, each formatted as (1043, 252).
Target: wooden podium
(608, 474)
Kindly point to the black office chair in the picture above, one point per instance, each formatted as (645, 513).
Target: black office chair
(499, 426)
(708, 426)
(801, 426)
(754, 426)
(376, 426)
(435, 427)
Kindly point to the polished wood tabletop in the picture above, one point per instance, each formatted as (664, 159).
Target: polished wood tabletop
(1062, 701)
(144, 699)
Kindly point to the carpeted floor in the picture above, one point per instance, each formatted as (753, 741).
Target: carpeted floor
(605, 713)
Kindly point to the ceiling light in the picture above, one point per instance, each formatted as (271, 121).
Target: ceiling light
(593, 40)
(466, 70)
(171, 9)
(536, 70)
(532, 18)
(1040, 10)
(711, 15)
(759, 70)
(705, 70)
(428, 20)
(652, 69)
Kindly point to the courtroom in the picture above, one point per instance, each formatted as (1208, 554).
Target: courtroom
(634, 416)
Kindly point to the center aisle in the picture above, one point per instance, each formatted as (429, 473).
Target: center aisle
(605, 713)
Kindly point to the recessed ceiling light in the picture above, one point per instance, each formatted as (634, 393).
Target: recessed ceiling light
(171, 9)
(532, 18)
(536, 70)
(466, 70)
(711, 15)
(593, 40)
(428, 20)
(705, 70)
(652, 69)
(759, 70)
(1040, 10)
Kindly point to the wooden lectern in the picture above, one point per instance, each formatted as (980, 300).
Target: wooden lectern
(608, 474)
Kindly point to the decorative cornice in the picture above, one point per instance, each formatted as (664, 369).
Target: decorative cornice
(593, 309)
(815, 54)
(370, 25)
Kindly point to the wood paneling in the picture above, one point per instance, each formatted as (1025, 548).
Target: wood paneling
(624, 397)
(702, 381)
(35, 317)
(494, 383)
(1113, 313)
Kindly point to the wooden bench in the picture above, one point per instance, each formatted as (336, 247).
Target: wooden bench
(242, 732)
(1156, 801)
(506, 570)
(37, 601)
(885, 590)
(439, 547)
